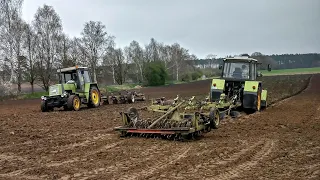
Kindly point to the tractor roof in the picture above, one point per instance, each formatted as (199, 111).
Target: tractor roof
(241, 59)
(71, 68)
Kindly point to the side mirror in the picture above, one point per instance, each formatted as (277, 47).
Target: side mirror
(220, 67)
(269, 67)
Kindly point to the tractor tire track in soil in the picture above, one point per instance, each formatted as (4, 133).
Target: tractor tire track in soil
(281, 142)
(123, 165)
(246, 166)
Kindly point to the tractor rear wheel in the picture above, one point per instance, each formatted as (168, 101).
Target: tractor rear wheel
(258, 107)
(73, 103)
(94, 97)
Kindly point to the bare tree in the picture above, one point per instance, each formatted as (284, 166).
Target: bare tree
(48, 28)
(109, 59)
(212, 59)
(10, 13)
(75, 53)
(18, 33)
(134, 54)
(64, 47)
(152, 51)
(121, 68)
(94, 41)
(178, 57)
(30, 44)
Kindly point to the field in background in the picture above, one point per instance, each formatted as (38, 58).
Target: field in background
(314, 70)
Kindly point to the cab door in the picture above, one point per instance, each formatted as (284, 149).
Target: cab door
(80, 80)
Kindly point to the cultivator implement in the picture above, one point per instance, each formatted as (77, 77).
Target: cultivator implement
(123, 98)
(179, 120)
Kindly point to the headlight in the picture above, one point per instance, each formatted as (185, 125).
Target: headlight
(43, 98)
(64, 94)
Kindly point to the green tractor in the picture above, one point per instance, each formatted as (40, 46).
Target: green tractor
(238, 84)
(75, 88)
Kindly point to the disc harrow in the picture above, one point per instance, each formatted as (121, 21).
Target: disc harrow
(178, 120)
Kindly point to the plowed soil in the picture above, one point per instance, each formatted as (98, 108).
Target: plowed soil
(281, 142)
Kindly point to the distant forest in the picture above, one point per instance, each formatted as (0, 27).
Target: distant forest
(278, 61)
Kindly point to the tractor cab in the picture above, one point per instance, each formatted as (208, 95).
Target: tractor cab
(239, 68)
(76, 76)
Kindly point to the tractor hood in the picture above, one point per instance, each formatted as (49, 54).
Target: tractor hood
(56, 90)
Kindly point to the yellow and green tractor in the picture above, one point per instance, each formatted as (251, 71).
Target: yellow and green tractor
(75, 88)
(238, 83)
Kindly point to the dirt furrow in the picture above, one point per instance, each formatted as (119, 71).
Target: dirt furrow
(279, 143)
(235, 172)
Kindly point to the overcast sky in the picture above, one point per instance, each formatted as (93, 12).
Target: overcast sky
(221, 27)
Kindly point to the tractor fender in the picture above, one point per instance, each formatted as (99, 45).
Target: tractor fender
(264, 98)
(250, 94)
(87, 88)
(264, 95)
(216, 89)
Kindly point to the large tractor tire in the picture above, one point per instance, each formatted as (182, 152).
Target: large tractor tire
(214, 118)
(258, 101)
(94, 97)
(44, 107)
(74, 103)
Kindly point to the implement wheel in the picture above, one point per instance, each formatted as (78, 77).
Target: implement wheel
(73, 103)
(130, 98)
(214, 117)
(94, 97)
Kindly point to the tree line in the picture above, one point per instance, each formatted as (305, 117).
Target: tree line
(32, 52)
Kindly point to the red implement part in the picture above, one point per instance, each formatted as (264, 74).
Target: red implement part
(155, 131)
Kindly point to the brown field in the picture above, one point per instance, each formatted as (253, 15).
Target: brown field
(281, 142)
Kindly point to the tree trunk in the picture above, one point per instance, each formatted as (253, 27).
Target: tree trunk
(177, 75)
(19, 87)
(32, 87)
(113, 75)
(141, 73)
(94, 75)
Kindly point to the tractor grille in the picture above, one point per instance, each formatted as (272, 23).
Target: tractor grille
(215, 95)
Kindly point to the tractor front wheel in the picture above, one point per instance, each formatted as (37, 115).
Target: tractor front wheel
(74, 103)
(44, 107)
(94, 97)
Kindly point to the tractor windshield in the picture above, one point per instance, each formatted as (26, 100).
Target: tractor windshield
(237, 70)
